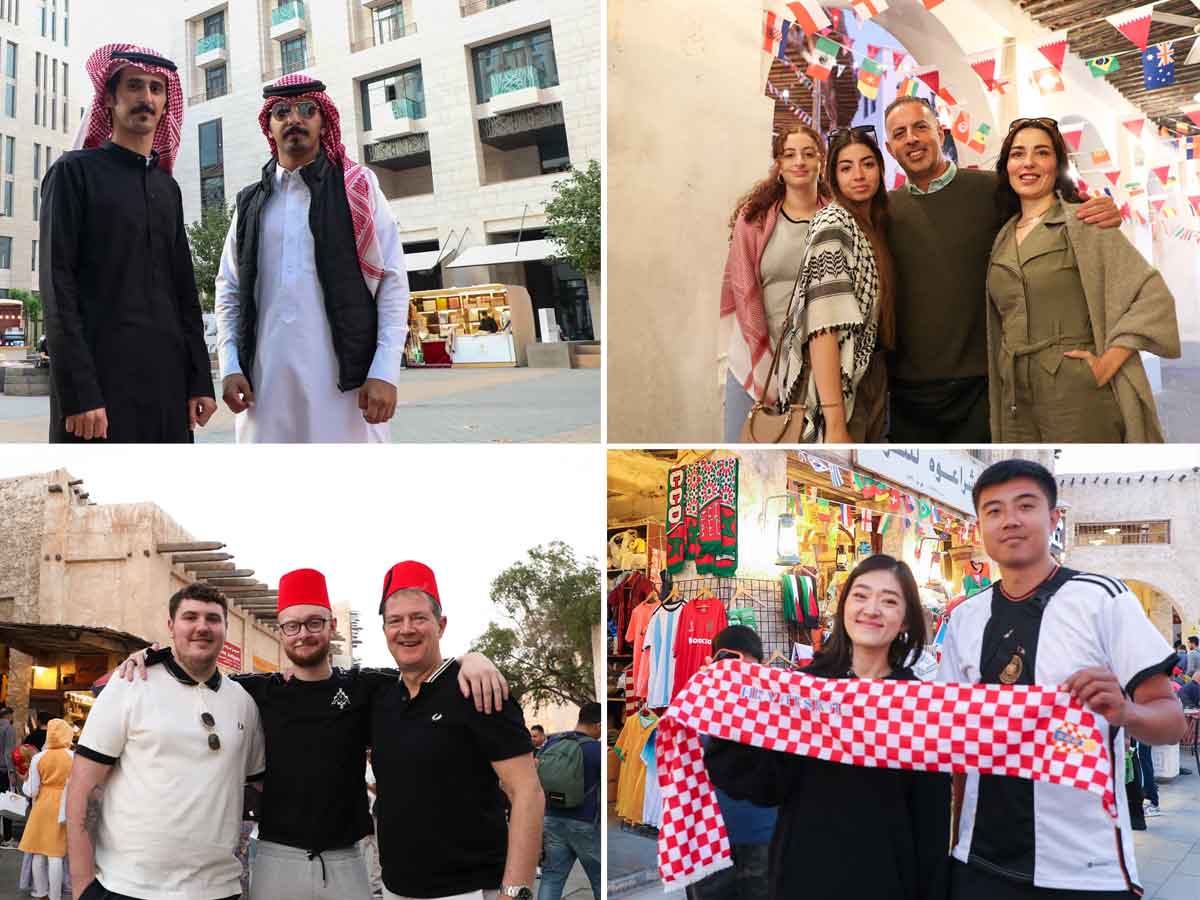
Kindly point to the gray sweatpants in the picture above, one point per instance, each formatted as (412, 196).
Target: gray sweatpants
(285, 873)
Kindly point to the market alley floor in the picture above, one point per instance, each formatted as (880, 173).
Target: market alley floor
(511, 405)
(1168, 851)
(577, 887)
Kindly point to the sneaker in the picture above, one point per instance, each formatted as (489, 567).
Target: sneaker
(1151, 810)
(8, 845)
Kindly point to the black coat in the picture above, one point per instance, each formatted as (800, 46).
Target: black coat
(123, 319)
(844, 831)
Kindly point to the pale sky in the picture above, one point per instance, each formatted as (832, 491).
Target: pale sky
(1079, 459)
(468, 511)
(97, 22)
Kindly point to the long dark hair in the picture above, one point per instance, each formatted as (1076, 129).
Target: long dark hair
(837, 656)
(875, 226)
(771, 190)
(1006, 198)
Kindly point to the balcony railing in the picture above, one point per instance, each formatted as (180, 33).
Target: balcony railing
(292, 10)
(407, 108)
(470, 7)
(517, 79)
(390, 33)
(211, 42)
(269, 75)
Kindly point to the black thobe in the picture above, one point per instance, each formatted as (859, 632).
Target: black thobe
(119, 296)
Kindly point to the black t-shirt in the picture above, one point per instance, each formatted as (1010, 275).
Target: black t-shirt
(442, 828)
(314, 793)
(37, 738)
(1009, 656)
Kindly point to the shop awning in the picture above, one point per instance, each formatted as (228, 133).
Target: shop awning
(37, 639)
(498, 254)
(422, 262)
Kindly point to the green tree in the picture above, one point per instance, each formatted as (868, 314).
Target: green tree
(207, 238)
(32, 302)
(573, 218)
(551, 603)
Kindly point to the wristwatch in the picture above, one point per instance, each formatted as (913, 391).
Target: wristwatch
(519, 891)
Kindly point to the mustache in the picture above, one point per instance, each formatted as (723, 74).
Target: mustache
(295, 129)
(143, 107)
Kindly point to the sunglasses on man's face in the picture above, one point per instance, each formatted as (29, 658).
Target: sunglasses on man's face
(306, 109)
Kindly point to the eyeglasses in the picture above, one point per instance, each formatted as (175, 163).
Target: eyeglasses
(1044, 121)
(859, 131)
(209, 723)
(313, 625)
(305, 108)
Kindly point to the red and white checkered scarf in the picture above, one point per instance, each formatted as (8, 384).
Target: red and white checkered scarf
(1022, 731)
(97, 127)
(358, 186)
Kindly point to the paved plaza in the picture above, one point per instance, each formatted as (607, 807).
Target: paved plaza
(511, 405)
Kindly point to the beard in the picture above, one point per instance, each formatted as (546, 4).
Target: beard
(307, 655)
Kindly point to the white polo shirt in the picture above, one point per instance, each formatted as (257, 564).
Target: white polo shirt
(1051, 835)
(172, 808)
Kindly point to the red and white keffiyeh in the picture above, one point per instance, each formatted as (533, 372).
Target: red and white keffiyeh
(97, 127)
(1022, 731)
(358, 185)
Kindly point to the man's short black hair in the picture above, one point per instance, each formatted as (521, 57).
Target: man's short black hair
(589, 714)
(900, 101)
(6, 712)
(205, 593)
(1010, 470)
(537, 728)
(1194, 640)
(742, 638)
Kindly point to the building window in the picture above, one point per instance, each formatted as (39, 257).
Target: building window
(43, 18)
(10, 100)
(388, 23)
(37, 162)
(520, 62)
(294, 54)
(214, 24)
(5, 253)
(33, 260)
(10, 153)
(37, 201)
(1112, 533)
(8, 197)
(212, 166)
(10, 60)
(553, 152)
(215, 84)
(399, 94)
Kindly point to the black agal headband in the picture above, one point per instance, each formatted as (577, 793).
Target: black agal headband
(293, 90)
(149, 59)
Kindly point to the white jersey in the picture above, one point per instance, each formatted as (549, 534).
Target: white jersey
(1051, 835)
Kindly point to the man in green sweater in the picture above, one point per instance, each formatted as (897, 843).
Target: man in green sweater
(944, 221)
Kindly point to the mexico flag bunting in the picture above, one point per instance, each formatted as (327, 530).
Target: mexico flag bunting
(824, 59)
(1134, 24)
(1055, 49)
(807, 14)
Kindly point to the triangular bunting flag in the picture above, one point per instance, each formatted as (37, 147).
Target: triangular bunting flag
(1134, 24)
(873, 51)
(1158, 203)
(945, 94)
(930, 4)
(901, 180)
(931, 78)
(1082, 185)
(1055, 49)
(1163, 173)
(1135, 125)
(1192, 111)
(898, 57)
(1194, 199)
(1073, 135)
(985, 68)
(1113, 177)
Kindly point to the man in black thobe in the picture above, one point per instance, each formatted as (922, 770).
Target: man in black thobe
(128, 361)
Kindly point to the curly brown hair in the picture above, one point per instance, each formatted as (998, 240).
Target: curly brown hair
(770, 191)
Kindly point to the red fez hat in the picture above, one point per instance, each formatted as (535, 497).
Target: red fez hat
(409, 576)
(302, 587)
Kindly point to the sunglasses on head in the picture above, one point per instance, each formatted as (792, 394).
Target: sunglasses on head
(728, 654)
(305, 108)
(1044, 121)
(859, 131)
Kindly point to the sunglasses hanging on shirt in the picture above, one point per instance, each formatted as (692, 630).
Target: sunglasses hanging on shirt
(209, 723)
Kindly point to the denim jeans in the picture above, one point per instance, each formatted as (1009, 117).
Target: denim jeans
(1146, 761)
(564, 841)
(746, 879)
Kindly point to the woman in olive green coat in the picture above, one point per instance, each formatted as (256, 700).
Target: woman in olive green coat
(1069, 308)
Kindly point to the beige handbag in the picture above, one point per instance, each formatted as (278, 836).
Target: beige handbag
(768, 425)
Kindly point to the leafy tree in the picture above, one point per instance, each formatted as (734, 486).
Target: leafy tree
(207, 238)
(32, 302)
(573, 218)
(551, 603)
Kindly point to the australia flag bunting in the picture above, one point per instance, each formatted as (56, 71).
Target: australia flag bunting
(1158, 66)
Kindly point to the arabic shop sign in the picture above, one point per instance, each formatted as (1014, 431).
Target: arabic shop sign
(230, 657)
(945, 475)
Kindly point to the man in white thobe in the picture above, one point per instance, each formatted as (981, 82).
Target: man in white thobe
(312, 293)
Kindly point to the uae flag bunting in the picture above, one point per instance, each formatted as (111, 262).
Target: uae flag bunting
(1100, 157)
(1073, 135)
(931, 78)
(1134, 24)
(1113, 177)
(979, 138)
(1158, 66)
(908, 88)
(868, 9)
(870, 75)
(1048, 81)
(823, 60)
(1135, 125)
(807, 14)
(1055, 49)
(1192, 111)
(1163, 173)
(962, 127)
(1103, 65)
